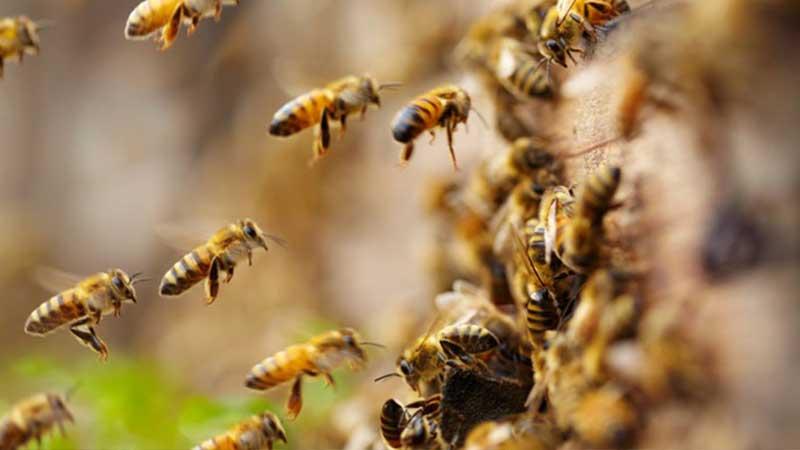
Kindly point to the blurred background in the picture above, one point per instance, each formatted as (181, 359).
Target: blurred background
(104, 142)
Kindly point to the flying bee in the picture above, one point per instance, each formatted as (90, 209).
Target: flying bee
(219, 254)
(517, 70)
(317, 357)
(579, 247)
(31, 419)
(334, 102)
(445, 106)
(256, 433)
(82, 307)
(18, 36)
(150, 16)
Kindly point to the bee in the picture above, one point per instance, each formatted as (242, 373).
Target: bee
(395, 417)
(256, 433)
(18, 36)
(590, 14)
(31, 419)
(82, 307)
(516, 433)
(421, 433)
(219, 254)
(445, 106)
(604, 418)
(523, 157)
(317, 357)
(578, 246)
(334, 102)
(150, 16)
(517, 70)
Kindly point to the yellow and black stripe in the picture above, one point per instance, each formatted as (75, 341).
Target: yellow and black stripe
(473, 339)
(421, 114)
(61, 309)
(541, 313)
(300, 113)
(595, 197)
(528, 79)
(392, 417)
(149, 16)
(280, 368)
(187, 272)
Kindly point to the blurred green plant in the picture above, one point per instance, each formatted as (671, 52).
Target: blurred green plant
(137, 404)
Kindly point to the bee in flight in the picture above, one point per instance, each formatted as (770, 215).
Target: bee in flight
(333, 103)
(219, 254)
(82, 307)
(18, 36)
(446, 107)
(31, 419)
(256, 433)
(150, 16)
(317, 357)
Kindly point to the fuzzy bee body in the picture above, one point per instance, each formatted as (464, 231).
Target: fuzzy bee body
(31, 419)
(82, 307)
(445, 107)
(333, 103)
(317, 357)
(150, 16)
(256, 433)
(18, 36)
(393, 421)
(473, 339)
(519, 72)
(221, 253)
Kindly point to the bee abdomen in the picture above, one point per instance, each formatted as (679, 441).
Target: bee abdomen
(187, 272)
(222, 442)
(58, 310)
(541, 313)
(392, 415)
(140, 23)
(473, 339)
(529, 80)
(299, 114)
(597, 194)
(415, 118)
(276, 369)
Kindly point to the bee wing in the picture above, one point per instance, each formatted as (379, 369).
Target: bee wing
(185, 236)
(55, 280)
(291, 78)
(278, 240)
(563, 7)
(550, 231)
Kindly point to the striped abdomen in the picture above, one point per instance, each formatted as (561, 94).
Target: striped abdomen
(148, 17)
(11, 435)
(392, 417)
(528, 79)
(421, 114)
(187, 272)
(281, 367)
(61, 309)
(596, 195)
(471, 338)
(300, 113)
(541, 313)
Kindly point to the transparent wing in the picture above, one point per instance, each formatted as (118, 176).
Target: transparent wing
(55, 280)
(186, 236)
(563, 7)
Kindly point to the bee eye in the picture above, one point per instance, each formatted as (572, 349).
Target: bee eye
(117, 283)
(552, 45)
(405, 367)
(250, 231)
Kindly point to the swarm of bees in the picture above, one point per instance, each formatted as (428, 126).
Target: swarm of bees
(540, 343)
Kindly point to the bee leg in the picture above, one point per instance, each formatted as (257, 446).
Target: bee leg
(433, 137)
(295, 401)
(218, 11)
(170, 31)
(193, 26)
(250, 257)
(212, 282)
(450, 127)
(329, 381)
(87, 336)
(343, 122)
(325, 131)
(405, 155)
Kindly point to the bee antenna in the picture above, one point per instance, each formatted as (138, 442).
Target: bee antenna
(480, 116)
(374, 344)
(44, 24)
(137, 278)
(389, 86)
(388, 375)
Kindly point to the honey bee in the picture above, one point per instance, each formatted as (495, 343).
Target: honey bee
(256, 433)
(317, 357)
(421, 433)
(82, 307)
(150, 16)
(31, 419)
(578, 247)
(605, 418)
(518, 433)
(523, 157)
(395, 418)
(516, 70)
(334, 102)
(445, 107)
(590, 14)
(18, 36)
(219, 254)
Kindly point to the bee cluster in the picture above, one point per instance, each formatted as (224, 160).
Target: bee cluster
(550, 330)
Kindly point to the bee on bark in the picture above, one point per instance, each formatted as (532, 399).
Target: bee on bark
(81, 307)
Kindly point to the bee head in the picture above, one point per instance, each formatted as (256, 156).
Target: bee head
(370, 88)
(122, 285)
(462, 103)
(59, 408)
(554, 50)
(352, 343)
(408, 372)
(29, 34)
(252, 234)
(271, 427)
